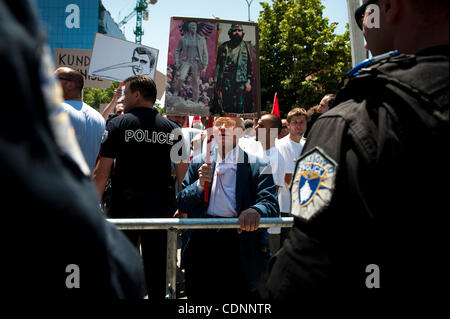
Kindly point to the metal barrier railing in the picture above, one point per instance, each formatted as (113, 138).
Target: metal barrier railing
(173, 224)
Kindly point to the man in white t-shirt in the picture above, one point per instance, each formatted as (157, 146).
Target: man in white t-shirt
(290, 148)
(267, 130)
(89, 125)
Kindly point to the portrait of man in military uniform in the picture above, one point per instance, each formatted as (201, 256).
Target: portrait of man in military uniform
(235, 72)
(212, 68)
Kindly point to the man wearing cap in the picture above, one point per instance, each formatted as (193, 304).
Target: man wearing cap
(234, 75)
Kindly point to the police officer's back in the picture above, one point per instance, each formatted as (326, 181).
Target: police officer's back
(367, 205)
(55, 243)
(138, 145)
(140, 142)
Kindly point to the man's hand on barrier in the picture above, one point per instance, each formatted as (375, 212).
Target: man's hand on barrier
(179, 214)
(249, 220)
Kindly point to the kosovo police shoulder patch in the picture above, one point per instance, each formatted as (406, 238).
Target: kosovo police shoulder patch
(105, 136)
(313, 183)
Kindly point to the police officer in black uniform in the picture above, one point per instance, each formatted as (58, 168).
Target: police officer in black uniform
(55, 242)
(370, 187)
(138, 144)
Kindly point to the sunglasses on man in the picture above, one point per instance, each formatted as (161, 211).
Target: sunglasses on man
(65, 79)
(361, 11)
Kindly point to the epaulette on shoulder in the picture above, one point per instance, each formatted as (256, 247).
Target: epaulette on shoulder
(355, 71)
(359, 77)
(373, 78)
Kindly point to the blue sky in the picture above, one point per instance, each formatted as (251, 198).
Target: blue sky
(156, 29)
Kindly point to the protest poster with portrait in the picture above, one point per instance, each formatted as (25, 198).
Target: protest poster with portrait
(116, 59)
(213, 68)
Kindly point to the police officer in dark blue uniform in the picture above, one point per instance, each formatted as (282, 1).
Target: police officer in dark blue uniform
(368, 191)
(55, 242)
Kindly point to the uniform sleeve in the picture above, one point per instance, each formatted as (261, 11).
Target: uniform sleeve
(327, 133)
(111, 140)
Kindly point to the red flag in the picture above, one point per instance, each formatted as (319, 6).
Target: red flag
(196, 120)
(275, 108)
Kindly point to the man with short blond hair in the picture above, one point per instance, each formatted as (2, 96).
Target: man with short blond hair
(291, 147)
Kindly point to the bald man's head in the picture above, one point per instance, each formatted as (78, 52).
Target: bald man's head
(273, 120)
(72, 82)
(267, 130)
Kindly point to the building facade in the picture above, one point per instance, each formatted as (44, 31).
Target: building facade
(72, 24)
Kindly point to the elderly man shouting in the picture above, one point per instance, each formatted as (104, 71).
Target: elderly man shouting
(240, 186)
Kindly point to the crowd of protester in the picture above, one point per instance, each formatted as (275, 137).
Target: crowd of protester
(131, 162)
(262, 138)
(265, 138)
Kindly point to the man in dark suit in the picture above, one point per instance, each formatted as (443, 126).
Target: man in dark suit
(224, 263)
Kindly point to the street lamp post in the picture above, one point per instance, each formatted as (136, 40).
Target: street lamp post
(249, 3)
(359, 53)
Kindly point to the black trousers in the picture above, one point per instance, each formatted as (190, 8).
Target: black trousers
(153, 244)
(213, 266)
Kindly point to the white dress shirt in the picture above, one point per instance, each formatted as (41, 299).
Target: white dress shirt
(222, 201)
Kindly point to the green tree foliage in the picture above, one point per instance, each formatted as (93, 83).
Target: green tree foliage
(96, 96)
(301, 57)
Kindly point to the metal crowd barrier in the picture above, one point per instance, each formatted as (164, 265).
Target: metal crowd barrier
(173, 224)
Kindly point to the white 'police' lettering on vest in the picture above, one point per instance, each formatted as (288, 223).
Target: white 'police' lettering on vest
(149, 137)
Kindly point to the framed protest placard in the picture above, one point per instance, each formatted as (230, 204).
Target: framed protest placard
(79, 60)
(116, 59)
(213, 68)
